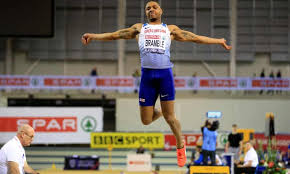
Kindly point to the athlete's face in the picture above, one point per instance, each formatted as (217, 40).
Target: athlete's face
(153, 11)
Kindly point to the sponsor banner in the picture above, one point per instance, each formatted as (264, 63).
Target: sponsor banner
(128, 83)
(186, 83)
(126, 140)
(282, 140)
(218, 83)
(53, 125)
(40, 124)
(139, 162)
(115, 82)
(62, 82)
(191, 140)
(223, 83)
(282, 84)
(194, 139)
(66, 82)
(15, 82)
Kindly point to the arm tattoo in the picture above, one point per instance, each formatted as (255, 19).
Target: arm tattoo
(187, 35)
(125, 34)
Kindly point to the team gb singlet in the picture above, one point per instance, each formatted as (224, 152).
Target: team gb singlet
(154, 46)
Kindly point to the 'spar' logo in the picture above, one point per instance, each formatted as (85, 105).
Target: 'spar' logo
(89, 124)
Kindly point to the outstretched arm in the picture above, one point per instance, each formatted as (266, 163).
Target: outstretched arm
(186, 36)
(127, 33)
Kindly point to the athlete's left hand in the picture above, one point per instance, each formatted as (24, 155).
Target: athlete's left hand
(224, 44)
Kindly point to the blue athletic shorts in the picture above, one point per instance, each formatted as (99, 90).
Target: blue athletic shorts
(156, 82)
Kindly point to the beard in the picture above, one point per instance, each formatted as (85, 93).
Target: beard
(153, 19)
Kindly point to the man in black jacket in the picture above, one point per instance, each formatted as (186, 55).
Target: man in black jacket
(234, 144)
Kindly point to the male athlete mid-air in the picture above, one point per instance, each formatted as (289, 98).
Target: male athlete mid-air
(154, 39)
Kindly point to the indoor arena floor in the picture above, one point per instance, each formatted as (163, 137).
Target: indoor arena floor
(53, 171)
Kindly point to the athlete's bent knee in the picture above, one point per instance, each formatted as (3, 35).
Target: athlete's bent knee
(146, 122)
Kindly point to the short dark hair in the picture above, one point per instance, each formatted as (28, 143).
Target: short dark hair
(207, 123)
(153, 1)
(215, 125)
(234, 125)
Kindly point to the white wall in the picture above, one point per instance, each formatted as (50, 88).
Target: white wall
(247, 113)
(132, 61)
(59, 67)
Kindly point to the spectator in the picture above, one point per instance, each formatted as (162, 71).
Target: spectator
(94, 73)
(234, 144)
(271, 76)
(287, 157)
(262, 75)
(289, 152)
(279, 76)
(136, 76)
(194, 75)
(136, 73)
(250, 161)
(284, 158)
(12, 154)
(140, 150)
(209, 134)
(197, 158)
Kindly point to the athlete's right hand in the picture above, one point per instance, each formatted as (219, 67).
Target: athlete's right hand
(224, 44)
(86, 38)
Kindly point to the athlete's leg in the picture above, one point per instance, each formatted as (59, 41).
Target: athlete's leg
(148, 95)
(167, 97)
(149, 114)
(169, 116)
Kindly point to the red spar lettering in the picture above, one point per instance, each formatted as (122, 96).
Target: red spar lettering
(51, 124)
(14, 81)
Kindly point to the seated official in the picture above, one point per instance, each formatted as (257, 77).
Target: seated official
(250, 161)
(12, 154)
(194, 155)
(197, 158)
